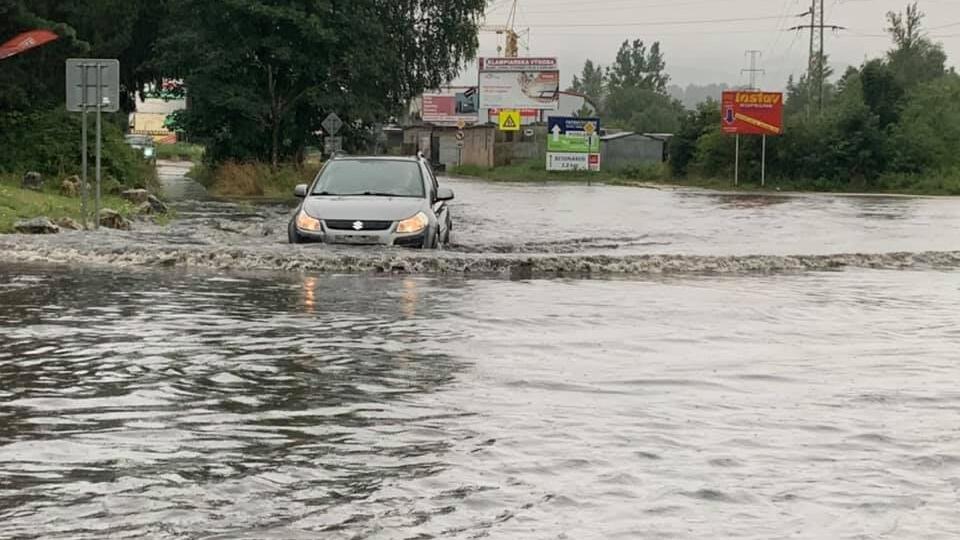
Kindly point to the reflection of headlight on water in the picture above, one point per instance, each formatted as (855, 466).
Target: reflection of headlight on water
(409, 303)
(309, 294)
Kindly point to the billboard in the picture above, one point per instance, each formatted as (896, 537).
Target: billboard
(519, 83)
(752, 113)
(451, 106)
(573, 144)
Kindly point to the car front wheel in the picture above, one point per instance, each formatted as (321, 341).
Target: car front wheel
(293, 236)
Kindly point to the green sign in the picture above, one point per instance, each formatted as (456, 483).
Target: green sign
(579, 143)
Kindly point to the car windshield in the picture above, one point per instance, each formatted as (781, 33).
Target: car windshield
(384, 178)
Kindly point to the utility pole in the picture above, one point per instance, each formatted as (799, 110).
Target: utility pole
(816, 68)
(754, 71)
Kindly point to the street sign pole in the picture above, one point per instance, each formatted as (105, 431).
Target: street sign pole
(736, 164)
(83, 147)
(763, 164)
(96, 207)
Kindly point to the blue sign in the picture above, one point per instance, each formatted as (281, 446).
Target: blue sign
(570, 124)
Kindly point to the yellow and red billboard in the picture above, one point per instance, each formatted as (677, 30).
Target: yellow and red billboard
(752, 113)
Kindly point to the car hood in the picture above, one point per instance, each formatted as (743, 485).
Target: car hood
(364, 208)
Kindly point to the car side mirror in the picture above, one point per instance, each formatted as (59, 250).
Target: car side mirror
(444, 194)
(300, 191)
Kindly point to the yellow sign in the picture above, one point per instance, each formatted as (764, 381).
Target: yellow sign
(589, 128)
(509, 120)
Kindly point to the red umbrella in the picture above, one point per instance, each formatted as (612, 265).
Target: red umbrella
(25, 42)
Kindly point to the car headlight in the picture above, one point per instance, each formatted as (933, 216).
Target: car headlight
(148, 152)
(415, 224)
(307, 223)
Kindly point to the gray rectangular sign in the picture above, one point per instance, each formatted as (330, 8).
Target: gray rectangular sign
(82, 91)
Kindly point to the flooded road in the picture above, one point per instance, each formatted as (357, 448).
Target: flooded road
(532, 230)
(172, 405)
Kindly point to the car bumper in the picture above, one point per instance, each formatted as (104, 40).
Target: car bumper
(368, 238)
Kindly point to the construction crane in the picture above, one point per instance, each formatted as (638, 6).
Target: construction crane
(512, 49)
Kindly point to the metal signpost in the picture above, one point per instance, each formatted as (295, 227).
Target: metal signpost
(752, 113)
(332, 124)
(573, 144)
(92, 83)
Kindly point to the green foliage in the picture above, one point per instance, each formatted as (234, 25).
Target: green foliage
(914, 59)
(237, 180)
(885, 125)
(262, 76)
(124, 29)
(49, 142)
(591, 83)
(636, 67)
(17, 204)
(694, 125)
(180, 151)
(632, 93)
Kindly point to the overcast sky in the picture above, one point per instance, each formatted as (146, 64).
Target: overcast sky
(702, 41)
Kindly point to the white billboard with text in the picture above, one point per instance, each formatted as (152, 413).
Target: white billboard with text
(519, 83)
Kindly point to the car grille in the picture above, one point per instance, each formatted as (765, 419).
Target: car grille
(347, 225)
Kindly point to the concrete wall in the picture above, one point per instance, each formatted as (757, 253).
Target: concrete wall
(440, 144)
(626, 151)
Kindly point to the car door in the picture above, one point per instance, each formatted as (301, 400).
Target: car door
(440, 208)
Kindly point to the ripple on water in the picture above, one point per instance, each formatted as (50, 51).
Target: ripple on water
(179, 405)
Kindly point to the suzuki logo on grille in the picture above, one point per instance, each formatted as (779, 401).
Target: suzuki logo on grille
(358, 225)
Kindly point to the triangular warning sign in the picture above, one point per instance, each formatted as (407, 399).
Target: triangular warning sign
(509, 123)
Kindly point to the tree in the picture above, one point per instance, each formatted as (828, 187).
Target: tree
(694, 125)
(643, 110)
(591, 83)
(928, 133)
(636, 67)
(882, 91)
(263, 75)
(915, 59)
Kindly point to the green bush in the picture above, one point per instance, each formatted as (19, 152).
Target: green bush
(49, 142)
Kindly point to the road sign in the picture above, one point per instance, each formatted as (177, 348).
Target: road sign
(752, 113)
(460, 144)
(460, 136)
(82, 84)
(332, 124)
(510, 120)
(573, 144)
(461, 123)
(332, 145)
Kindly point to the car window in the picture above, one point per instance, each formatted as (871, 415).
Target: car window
(372, 178)
(433, 178)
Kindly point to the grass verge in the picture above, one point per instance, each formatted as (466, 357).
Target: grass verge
(17, 204)
(943, 183)
(233, 180)
(535, 171)
(180, 152)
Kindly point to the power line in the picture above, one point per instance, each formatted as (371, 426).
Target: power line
(816, 68)
(654, 23)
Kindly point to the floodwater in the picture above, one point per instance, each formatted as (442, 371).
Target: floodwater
(545, 231)
(192, 405)
(746, 393)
